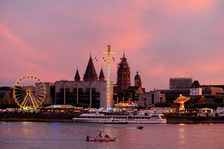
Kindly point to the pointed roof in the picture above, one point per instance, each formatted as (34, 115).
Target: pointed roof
(90, 73)
(77, 76)
(123, 64)
(101, 77)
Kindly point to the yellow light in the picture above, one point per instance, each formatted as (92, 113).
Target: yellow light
(108, 91)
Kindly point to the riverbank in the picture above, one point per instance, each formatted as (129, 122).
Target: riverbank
(37, 117)
(192, 119)
(67, 118)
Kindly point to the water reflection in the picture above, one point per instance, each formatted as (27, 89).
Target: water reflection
(181, 133)
(73, 135)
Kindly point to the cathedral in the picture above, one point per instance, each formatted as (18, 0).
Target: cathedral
(123, 91)
(90, 91)
(123, 76)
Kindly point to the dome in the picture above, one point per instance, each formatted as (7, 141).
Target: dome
(137, 77)
(195, 84)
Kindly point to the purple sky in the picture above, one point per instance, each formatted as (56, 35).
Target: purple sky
(161, 39)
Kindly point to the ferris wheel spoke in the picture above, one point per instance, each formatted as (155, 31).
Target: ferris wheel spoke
(40, 86)
(22, 104)
(40, 92)
(40, 95)
(26, 102)
(21, 94)
(33, 101)
(39, 99)
(19, 88)
(41, 89)
(19, 99)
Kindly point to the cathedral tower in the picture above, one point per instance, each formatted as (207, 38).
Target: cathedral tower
(123, 75)
(90, 73)
(77, 77)
(138, 81)
(101, 76)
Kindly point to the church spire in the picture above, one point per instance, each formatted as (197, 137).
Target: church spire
(90, 73)
(101, 77)
(77, 76)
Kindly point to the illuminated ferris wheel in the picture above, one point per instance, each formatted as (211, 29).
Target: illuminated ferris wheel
(29, 91)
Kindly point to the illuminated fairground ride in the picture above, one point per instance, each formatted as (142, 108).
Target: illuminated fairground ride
(108, 93)
(29, 92)
(181, 100)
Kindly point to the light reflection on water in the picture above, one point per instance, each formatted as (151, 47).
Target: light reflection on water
(72, 135)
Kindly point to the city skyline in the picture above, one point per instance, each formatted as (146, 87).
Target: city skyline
(160, 39)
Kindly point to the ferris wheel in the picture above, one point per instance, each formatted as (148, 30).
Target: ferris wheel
(29, 91)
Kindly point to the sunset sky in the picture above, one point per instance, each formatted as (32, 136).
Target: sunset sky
(160, 38)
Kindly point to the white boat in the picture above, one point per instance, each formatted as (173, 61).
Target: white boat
(120, 119)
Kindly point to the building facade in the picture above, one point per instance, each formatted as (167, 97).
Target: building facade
(123, 76)
(149, 98)
(195, 89)
(180, 83)
(91, 91)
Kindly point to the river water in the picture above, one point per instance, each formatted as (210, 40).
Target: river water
(40, 135)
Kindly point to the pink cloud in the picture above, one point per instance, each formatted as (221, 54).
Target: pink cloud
(161, 39)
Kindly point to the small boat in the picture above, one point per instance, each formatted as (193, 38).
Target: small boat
(139, 127)
(100, 139)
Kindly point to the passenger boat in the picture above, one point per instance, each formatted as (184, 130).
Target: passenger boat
(120, 119)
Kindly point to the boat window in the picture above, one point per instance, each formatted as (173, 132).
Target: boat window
(155, 117)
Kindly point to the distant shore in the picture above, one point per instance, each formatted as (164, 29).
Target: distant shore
(189, 119)
(67, 118)
(37, 117)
